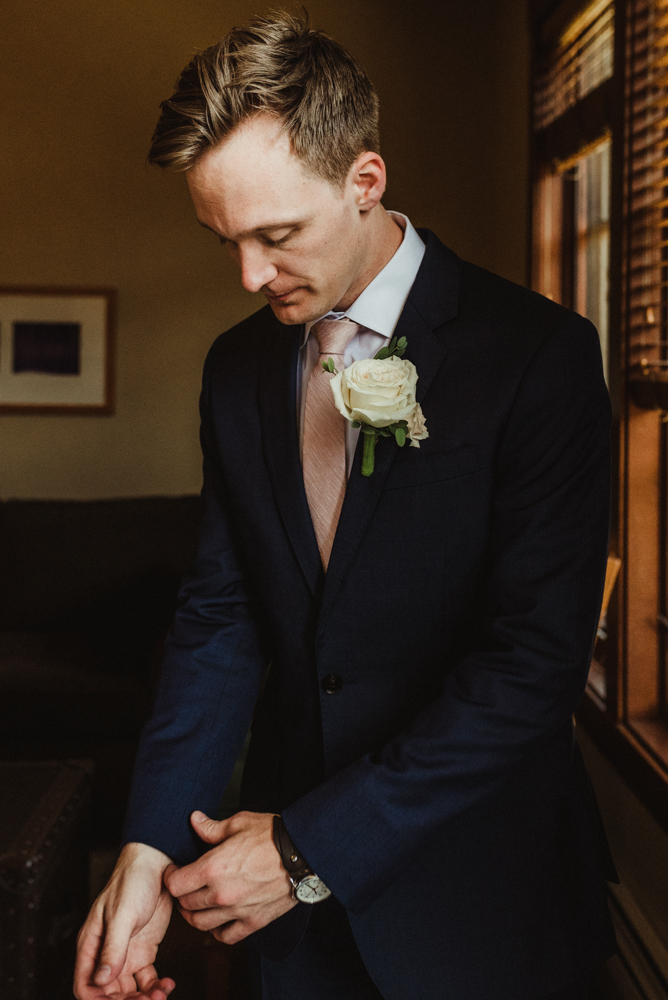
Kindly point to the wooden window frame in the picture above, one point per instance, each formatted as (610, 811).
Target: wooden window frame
(626, 726)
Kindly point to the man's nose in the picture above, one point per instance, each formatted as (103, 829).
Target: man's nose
(256, 270)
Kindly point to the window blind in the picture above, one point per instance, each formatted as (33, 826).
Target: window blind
(582, 59)
(646, 183)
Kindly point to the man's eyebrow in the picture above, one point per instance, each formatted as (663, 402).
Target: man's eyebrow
(258, 229)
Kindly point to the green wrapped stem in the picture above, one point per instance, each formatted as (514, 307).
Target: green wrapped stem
(368, 453)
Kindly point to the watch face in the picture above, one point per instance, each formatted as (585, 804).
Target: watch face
(312, 890)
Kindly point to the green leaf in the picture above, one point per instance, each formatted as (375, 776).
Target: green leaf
(400, 435)
(395, 347)
(369, 430)
(385, 432)
(355, 424)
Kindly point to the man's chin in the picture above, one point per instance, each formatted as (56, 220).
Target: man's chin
(291, 313)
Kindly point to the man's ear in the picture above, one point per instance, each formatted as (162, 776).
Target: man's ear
(369, 178)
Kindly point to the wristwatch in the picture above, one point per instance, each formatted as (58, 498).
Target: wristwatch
(306, 886)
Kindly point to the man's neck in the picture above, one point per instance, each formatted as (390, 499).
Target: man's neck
(384, 238)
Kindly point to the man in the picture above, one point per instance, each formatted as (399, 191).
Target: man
(429, 626)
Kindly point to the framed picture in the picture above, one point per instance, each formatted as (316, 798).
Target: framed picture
(56, 350)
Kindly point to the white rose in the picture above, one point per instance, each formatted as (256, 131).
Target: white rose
(377, 392)
(417, 426)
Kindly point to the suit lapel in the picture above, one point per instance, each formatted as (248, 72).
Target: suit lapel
(432, 301)
(280, 440)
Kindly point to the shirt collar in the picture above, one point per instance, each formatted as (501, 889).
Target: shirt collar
(379, 306)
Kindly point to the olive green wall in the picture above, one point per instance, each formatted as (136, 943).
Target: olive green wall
(81, 83)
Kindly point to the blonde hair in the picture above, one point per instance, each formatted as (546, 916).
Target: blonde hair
(278, 64)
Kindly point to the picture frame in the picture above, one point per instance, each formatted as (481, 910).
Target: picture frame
(57, 350)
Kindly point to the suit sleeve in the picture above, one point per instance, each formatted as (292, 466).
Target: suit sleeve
(513, 695)
(211, 675)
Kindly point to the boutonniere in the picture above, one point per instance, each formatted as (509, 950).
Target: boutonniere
(378, 396)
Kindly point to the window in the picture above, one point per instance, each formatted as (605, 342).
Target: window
(600, 246)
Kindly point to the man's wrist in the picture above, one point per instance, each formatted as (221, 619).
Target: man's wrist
(145, 855)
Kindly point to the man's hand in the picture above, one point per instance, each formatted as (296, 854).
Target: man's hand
(240, 885)
(119, 941)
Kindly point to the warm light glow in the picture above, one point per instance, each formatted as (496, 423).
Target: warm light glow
(592, 218)
(583, 21)
(572, 235)
(562, 165)
(582, 61)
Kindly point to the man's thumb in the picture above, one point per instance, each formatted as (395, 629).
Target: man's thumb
(113, 956)
(207, 829)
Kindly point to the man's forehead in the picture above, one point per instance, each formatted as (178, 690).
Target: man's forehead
(253, 193)
(248, 149)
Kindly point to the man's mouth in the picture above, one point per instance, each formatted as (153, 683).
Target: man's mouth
(280, 298)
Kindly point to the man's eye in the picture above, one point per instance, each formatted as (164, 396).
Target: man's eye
(280, 242)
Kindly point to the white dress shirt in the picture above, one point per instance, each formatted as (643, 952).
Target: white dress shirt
(377, 310)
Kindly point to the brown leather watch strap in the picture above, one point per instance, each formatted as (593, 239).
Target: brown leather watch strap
(294, 864)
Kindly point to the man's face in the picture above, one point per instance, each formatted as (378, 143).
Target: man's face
(296, 238)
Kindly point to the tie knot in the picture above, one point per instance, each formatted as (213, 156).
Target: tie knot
(334, 335)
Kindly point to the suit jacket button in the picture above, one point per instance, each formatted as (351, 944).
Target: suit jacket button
(331, 684)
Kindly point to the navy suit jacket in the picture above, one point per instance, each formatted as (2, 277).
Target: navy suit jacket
(439, 793)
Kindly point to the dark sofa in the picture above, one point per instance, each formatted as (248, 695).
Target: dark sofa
(87, 591)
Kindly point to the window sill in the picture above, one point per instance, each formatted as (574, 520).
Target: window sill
(638, 749)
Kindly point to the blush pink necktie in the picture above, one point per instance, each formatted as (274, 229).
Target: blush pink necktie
(324, 444)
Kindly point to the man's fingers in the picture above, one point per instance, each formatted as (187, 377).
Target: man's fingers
(203, 899)
(169, 870)
(148, 982)
(233, 932)
(160, 991)
(206, 920)
(208, 830)
(124, 987)
(190, 878)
